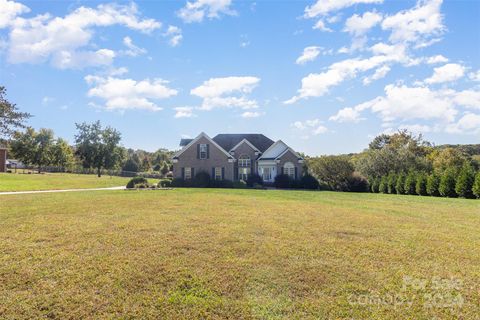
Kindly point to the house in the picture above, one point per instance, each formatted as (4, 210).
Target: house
(3, 159)
(235, 157)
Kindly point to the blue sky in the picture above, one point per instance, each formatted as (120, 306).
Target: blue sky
(324, 76)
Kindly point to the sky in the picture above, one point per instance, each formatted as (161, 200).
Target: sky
(324, 76)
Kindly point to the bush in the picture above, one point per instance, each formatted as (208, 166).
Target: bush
(157, 167)
(375, 185)
(476, 185)
(201, 180)
(447, 184)
(283, 181)
(465, 181)
(254, 179)
(400, 185)
(169, 175)
(165, 183)
(358, 183)
(392, 183)
(239, 184)
(421, 184)
(136, 181)
(178, 182)
(383, 187)
(309, 182)
(410, 183)
(221, 184)
(433, 182)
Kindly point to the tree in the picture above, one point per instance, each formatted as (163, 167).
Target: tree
(146, 165)
(383, 187)
(34, 148)
(10, 117)
(392, 183)
(98, 147)
(421, 184)
(375, 185)
(130, 165)
(165, 168)
(433, 182)
(410, 183)
(400, 185)
(443, 159)
(476, 185)
(465, 181)
(447, 184)
(62, 154)
(335, 171)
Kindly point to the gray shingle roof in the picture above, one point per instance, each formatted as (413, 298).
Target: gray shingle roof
(184, 142)
(228, 141)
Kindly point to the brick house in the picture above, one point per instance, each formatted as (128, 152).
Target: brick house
(3, 159)
(235, 157)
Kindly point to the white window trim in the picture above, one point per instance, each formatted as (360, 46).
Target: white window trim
(218, 175)
(205, 151)
(189, 170)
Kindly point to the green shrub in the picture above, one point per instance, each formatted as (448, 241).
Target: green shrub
(309, 182)
(433, 182)
(254, 179)
(476, 185)
(136, 182)
(410, 183)
(283, 181)
(357, 183)
(465, 181)
(447, 184)
(375, 185)
(383, 186)
(178, 182)
(392, 183)
(221, 184)
(165, 183)
(400, 185)
(421, 184)
(201, 180)
(239, 184)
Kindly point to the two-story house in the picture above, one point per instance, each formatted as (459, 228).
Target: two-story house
(235, 157)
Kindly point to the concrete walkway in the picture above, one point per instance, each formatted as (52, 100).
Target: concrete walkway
(63, 190)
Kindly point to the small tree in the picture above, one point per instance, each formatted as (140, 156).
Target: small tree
(392, 183)
(374, 185)
(34, 148)
(410, 183)
(433, 182)
(383, 187)
(10, 117)
(164, 169)
(476, 185)
(400, 185)
(62, 154)
(447, 184)
(421, 184)
(465, 181)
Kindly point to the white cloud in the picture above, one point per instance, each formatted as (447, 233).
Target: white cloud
(65, 41)
(184, 112)
(436, 59)
(447, 73)
(379, 74)
(415, 128)
(347, 115)
(468, 124)
(320, 25)
(474, 76)
(324, 7)
(227, 92)
(123, 94)
(359, 25)
(198, 10)
(47, 100)
(416, 25)
(9, 10)
(313, 126)
(252, 114)
(309, 54)
(174, 34)
(132, 50)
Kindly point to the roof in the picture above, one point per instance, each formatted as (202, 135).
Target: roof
(184, 142)
(192, 141)
(227, 141)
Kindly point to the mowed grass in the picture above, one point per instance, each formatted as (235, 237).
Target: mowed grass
(56, 181)
(238, 254)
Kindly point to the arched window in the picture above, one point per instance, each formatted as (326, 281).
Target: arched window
(244, 164)
(289, 169)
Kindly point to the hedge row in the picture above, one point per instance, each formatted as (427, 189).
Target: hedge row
(465, 184)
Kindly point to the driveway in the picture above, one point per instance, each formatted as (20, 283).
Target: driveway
(62, 190)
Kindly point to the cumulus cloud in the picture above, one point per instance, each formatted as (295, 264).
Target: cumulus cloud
(347, 115)
(184, 112)
(65, 41)
(320, 25)
(447, 73)
(359, 25)
(379, 74)
(174, 34)
(132, 50)
(310, 127)
(227, 92)
(324, 7)
(474, 76)
(308, 54)
(469, 123)
(123, 94)
(198, 10)
(9, 10)
(436, 59)
(252, 114)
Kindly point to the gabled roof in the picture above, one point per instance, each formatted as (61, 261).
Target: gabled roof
(184, 142)
(203, 134)
(242, 142)
(277, 150)
(228, 141)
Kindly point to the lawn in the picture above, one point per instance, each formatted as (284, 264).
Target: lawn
(238, 254)
(55, 181)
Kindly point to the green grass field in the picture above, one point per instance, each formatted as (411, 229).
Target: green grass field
(238, 254)
(55, 181)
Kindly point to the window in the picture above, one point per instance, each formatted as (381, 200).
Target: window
(267, 174)
(203, 151)
(188, 173)
(218, 173)
(244, 161)
(289, 170)
(243, 173)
